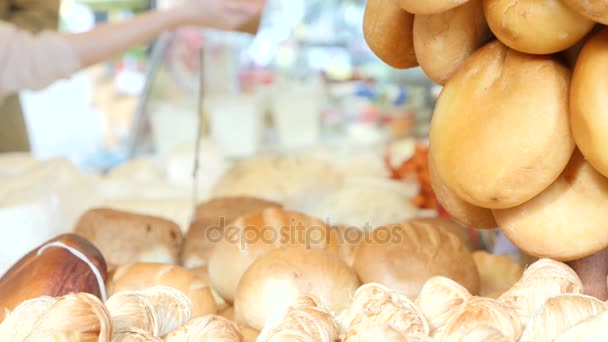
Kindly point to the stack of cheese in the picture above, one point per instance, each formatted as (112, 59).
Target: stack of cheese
(246, 259)
(228, 234)
(518, 132)
(40, 199)
(333, 191)
(46, 198)
(411, 281)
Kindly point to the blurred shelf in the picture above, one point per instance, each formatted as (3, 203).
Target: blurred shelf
(109, 5)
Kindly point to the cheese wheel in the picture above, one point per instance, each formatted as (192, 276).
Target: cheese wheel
(538, 27)
(257, 233)
(589, 101)
(461, 211)
(565, 222)
(596, 10)
(404, 256)
(387, 29)
(443, 41)
(428, 6)
(500, 131)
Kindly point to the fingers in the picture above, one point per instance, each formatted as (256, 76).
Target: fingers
(224, 14)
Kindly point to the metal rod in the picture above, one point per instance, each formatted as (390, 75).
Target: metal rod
(156, 58)
(199, 128)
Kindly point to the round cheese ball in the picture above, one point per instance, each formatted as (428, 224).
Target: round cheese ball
(565, 222)
(443, 41)
(538, 27)
(500, 131)
(589, 101)
(387, 29)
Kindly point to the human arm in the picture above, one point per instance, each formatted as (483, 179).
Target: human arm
(34, 61)
(105, 41)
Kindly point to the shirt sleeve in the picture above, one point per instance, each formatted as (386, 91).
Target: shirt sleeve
(33, 61)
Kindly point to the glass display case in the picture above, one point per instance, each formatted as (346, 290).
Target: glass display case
(306, 78)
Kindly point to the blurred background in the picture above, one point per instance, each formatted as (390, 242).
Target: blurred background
(306, 79)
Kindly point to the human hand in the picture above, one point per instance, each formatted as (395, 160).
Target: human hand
(222, 14)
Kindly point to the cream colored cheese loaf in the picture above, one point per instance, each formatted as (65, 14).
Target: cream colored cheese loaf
(404, 256)
(500, 132)
(124, 237)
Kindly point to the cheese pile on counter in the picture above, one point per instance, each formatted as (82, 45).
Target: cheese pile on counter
(42, 199)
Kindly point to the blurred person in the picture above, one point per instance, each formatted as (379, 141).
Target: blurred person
(32, 16)
(32, 61)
